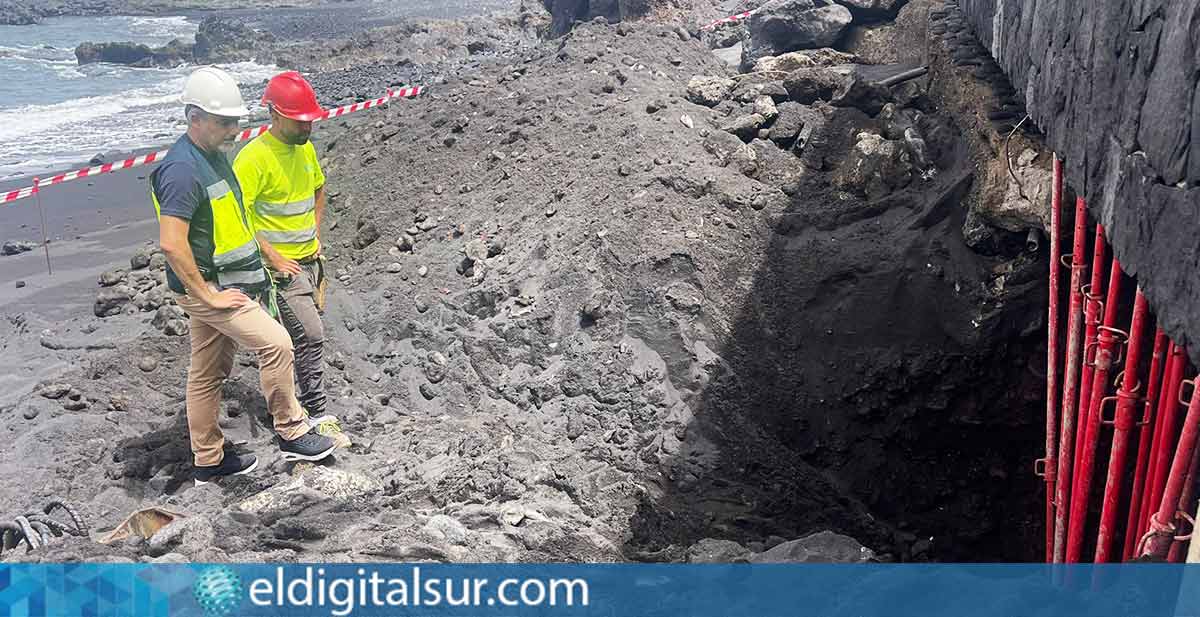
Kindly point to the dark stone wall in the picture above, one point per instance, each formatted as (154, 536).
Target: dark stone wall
(1113, 84)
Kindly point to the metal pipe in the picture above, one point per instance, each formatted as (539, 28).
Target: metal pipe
(1175, 554)
(1161, 535)
(1091, 310)
(1164, 436)
(1033, 240)
(1106, 341)
(1050, 467)
(900, 78)
(1145, 432)
(1123, 423)
(1062, 496)
(42, 215)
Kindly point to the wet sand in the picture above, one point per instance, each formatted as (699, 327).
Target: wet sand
(93, 225)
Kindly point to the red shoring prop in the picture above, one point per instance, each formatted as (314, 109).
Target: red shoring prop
(1050, 463)
(1107, 338)
(1146, 431)
(1164, 436)
(1179, 546)
(1158, 539)
(1091, 312)
(1123, 423)
(1062, 498)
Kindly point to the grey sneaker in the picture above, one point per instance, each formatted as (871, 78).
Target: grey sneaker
(311, 446)
(232, 465)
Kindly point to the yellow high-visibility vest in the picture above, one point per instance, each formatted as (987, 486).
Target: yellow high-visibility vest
(228, 253)
(279, 185)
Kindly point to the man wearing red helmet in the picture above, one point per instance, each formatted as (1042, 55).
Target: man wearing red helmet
(284, 191)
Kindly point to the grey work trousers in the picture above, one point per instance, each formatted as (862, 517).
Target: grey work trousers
(298, 313)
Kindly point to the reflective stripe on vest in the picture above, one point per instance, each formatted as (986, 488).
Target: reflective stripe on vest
(231, 278)
(289, 237)
(238, 254)
(218, 190)
(294, 208)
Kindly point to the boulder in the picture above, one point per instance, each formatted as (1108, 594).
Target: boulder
(792, 25)
(177, 327)
(14, 247)
(822, 547)
(189, 536)
(859, 93)
(765, 107)
(1026, 202)
(709, 91)
(367, 234)
(873, 10)
(725, 35)
(778, 168)
(710, 550)
(786, 63)
(876, 167)
(141, 258)
(745, 127)
(564, 13)
(112, 277)
(791, 120)
(813, 84)
(54, 391)
(172, 54)
(310, 488)
(895, 120)
(227, 40)
(122, 52)
(150, 300)
(112, 300)
(731, 150)
(167, 313)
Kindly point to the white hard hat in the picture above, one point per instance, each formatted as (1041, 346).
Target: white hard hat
(214, 91)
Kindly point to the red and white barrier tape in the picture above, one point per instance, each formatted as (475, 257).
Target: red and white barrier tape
(739, 16)
(727, 20)
(144, 159)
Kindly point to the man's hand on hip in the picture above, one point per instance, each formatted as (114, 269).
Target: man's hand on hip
(286, 266)
(229, 299)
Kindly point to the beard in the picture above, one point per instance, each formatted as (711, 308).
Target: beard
(297, 139)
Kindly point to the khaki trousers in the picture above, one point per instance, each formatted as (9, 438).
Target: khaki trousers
(216, 335)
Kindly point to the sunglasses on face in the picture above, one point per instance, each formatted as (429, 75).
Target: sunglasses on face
(225, 121)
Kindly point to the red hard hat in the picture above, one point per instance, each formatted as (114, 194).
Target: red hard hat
(290, 95)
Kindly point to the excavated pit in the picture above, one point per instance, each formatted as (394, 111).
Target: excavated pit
(901, 368)
(579, 320)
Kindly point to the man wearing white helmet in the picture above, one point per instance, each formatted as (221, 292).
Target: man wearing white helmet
(215, 266)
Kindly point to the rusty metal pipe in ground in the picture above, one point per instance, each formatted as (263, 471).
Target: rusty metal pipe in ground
(1123, 424)
(1062, 496)
(900, 78)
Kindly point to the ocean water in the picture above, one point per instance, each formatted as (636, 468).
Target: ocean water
(55, 114)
